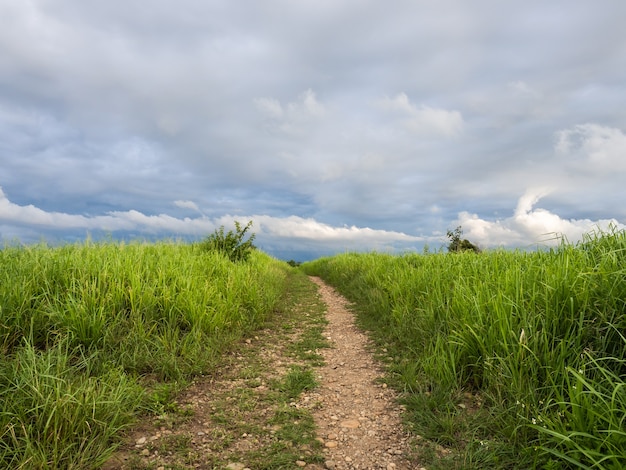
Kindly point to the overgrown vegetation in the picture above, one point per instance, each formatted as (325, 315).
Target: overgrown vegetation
(232, 243)
(508, 359)
(92, 334)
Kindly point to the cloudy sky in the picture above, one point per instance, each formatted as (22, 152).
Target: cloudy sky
(333, 124)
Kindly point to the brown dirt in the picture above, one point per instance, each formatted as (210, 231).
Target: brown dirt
(359, 421)
(229, 420)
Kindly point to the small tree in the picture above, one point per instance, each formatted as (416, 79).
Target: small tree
(232, 244)
(457, 244)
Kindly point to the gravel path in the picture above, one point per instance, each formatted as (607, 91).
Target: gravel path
(237, 419)
(359, 421)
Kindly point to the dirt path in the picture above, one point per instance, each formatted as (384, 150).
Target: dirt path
(359, 421)
(284, 399)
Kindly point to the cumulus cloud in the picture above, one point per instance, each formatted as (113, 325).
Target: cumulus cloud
(32, 216)
(187, 205)
(423, 120)
(294, 116)
(308, 228)
(290, 230)
(530, 226)
(294, 237)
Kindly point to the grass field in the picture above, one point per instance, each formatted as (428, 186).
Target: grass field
(93, 334)
(507, 359)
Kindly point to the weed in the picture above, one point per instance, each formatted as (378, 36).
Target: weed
(309, 344)
(297, 380)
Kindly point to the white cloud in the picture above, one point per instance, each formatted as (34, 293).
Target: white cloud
(296, 234)
(294, 116)
(529, 226)
(592, 147)
(289, 229)
(309, 104)
(32, 216)
(529, 199)
(308, 228)
(424, 120)
(187, 205)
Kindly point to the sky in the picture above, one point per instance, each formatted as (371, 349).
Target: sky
(334, 125)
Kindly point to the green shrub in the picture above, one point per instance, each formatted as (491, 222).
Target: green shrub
(457, 244)
(232, 244)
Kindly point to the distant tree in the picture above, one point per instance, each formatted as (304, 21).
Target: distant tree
(232, 243)
(458, 244)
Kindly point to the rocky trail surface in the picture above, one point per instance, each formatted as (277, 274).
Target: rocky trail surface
(304, 392)
(359, 421)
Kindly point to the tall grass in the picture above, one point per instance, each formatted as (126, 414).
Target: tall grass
(516, 359)
(85, 328)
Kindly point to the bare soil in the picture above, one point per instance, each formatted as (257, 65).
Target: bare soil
(359, 421)
(243, 417)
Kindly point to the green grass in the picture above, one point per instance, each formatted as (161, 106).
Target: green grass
(56, 414)
(296, 381)
(92, 334)
(294, 428)
(507, 359)
(262, 403)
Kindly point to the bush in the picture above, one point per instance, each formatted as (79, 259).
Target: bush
(232, 244)
(457, 244)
